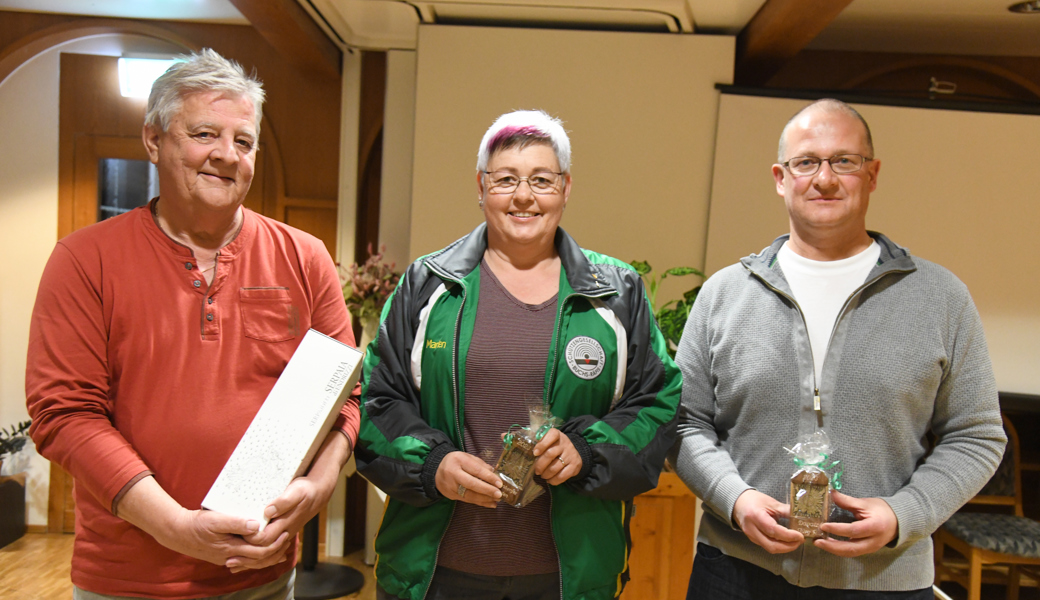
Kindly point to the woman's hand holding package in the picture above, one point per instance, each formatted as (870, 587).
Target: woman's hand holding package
(558, 459)
(467, 478)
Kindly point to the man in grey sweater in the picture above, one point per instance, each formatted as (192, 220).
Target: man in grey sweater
(836, 328)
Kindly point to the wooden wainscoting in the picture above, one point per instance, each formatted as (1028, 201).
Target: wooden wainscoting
(315, 216)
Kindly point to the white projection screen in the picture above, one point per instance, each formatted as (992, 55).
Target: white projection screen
(959, 188)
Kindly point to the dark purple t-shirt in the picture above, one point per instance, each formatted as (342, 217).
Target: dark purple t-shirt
(505, 373)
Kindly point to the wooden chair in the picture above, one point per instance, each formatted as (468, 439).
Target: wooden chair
(988, 539)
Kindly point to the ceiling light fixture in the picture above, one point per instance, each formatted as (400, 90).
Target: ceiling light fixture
(1030, 7)
(136, 75)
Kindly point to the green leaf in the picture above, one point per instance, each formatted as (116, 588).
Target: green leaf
(691, 295)
(672, 322)
(641, 267)
(667, 306)
(681, 271)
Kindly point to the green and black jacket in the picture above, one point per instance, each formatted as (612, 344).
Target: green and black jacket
(622, 420)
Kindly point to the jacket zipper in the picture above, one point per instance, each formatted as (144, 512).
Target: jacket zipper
(548, 391)
(454, 371)
(455, 404)
(559, 561)
(454, 354)
(817, 408)
(437, 552)
(552, 379)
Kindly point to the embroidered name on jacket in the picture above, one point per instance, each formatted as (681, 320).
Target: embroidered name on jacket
(434, 345)
(585, 357)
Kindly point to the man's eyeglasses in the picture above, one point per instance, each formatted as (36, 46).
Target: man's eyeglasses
(842, 164)
(542, 182)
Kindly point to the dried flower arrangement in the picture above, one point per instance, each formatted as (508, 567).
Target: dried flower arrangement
(368, 285)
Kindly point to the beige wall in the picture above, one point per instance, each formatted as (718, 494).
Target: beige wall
(395, 200)
(640, 110)
(961, 189)
(28, 230)
(29, 218)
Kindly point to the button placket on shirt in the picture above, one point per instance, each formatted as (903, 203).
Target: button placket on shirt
(193, 276)
(210, 312)
(210, 323)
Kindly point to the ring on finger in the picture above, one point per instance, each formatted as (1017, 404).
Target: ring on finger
(462, 491)
(560, 458)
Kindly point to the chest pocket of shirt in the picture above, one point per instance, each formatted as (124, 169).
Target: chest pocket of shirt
(268, 314)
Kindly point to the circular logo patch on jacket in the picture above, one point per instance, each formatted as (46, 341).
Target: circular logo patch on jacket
(585, 357)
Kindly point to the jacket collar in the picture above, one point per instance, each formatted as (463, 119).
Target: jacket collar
(894, 258)
(460, 258)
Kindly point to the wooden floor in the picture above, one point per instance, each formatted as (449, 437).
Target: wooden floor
(989, 592)
(36, 567)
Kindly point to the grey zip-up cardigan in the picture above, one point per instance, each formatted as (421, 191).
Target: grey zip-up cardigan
(907, 356)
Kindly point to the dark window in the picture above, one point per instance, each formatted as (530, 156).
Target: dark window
(124, 184)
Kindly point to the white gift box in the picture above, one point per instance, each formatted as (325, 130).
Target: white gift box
(286, 433)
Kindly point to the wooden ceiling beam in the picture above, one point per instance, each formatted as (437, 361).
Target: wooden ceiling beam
(778, 31)
(290, 30)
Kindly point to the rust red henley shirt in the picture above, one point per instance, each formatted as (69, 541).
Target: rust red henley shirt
(136, 364)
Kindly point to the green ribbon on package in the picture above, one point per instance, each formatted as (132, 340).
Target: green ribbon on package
(507, 441)
(829, 467)
(813, 451)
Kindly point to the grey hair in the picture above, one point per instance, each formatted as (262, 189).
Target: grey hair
(522, 128)
(830, 105)
(203, 71)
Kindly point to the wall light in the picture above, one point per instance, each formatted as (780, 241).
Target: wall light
(1031, 7)
(136, 75)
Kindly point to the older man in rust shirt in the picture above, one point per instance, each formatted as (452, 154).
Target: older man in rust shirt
(156, 337)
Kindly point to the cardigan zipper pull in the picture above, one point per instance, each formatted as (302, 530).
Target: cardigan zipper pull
(816, 400)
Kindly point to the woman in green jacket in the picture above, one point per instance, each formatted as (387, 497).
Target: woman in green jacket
(514, 313)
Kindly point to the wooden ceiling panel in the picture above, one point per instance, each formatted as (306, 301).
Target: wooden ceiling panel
(778, 31)
(290, 30)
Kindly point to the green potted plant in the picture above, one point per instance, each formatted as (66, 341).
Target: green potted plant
(671, 316)
(12, 490)
(366, 288)
(13, 440)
